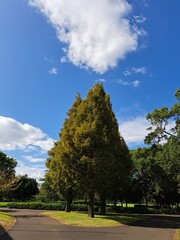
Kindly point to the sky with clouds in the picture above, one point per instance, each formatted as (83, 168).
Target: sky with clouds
(52, 49)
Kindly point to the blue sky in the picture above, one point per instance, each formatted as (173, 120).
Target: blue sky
(50, 50)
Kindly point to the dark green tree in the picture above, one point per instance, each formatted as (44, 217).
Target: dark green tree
(23, 188)
(168, 159)
(7, 172)
(46, 193)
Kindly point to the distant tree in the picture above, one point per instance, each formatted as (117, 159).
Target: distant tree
(24, 188)
(168, 159)
(156, 175)
(160, 119)
(46, 193)
(143, 172)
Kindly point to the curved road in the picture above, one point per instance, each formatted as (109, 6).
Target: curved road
(31, 225)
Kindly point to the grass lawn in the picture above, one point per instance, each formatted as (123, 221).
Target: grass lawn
(3, 204)
(5, 221)
(81, 219)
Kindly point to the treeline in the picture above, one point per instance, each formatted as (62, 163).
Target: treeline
(91, 159)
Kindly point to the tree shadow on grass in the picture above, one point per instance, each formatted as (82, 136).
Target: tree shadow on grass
(152, 221)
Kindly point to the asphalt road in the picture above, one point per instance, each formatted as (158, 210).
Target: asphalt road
(31, 225)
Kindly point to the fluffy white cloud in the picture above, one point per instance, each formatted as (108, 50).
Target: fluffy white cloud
(16, 135)
(97, 33)
(36, 172)
(134, 130)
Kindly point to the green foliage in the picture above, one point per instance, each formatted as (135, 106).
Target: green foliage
(60, 206)
(156, 174)
(7, 173)
(3, 204)
(23, 188)
(90, 156)
(160, 119)
(37, 205)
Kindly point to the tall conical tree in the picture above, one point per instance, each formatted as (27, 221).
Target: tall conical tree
(90, 155)
(61, 159)
(102, 149)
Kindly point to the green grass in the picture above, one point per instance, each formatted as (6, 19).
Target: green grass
(5, 221)
(3, 204)
(81, 219)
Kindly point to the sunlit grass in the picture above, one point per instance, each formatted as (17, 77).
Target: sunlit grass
(5, 221)
(3, 204)
(81, 219)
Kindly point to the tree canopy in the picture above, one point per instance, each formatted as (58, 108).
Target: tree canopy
(91, 155)
(165, 122)
(7, 170)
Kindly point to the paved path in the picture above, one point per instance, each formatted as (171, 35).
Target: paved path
(31, 225)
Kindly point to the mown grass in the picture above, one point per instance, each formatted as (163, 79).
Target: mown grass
(3, 204)
(5, 221)
(81, 219)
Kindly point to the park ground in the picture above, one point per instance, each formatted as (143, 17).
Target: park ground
(32, 224)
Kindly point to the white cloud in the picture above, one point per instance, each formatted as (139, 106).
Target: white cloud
(127, 73)
(100, 80)
(134, 130)
(124, 83)
(53, 71)
(134, 70)
(141, 70)
(97, 34)
(128, 83)
(36, 172)
(16, 135)
(63, 59)
(136, 83)
(34, 159)
(139, 19)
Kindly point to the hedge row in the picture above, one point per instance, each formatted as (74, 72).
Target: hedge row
(48, 206)
(60, 206)
(143, 210)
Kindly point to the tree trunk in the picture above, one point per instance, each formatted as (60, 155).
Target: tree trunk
(91, 205)
(68, 202)
(115, 203)
(103, 204)
(146, 201)
(126, 203)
